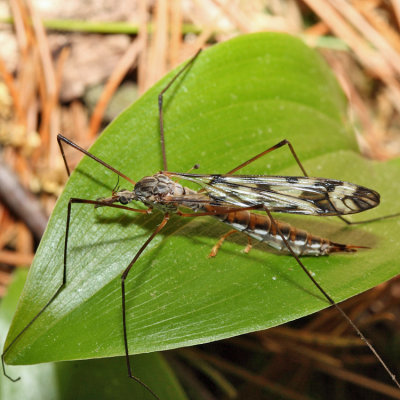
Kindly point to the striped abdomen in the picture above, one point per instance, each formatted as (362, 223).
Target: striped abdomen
(259, 227)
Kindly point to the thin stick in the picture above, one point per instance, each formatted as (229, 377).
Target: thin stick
(22, 203)
(127, 61)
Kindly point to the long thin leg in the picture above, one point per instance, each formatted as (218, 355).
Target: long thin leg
(263, 153)
(221, 240)
(123, 279)
(367, 221)
(160, 106)
(61, 138)
(331, 301)
(64, 276)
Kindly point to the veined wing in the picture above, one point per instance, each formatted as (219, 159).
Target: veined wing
(199, 201)
(289, 194)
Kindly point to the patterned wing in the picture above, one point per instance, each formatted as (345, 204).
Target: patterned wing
(290, 194)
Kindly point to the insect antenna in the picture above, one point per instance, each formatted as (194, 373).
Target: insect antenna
(116, 187)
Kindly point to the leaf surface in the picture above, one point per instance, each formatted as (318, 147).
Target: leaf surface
(103, 379)
(238, 99)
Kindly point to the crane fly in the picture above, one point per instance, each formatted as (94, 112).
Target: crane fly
(232, 199)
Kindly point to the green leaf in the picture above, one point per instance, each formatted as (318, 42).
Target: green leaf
(238, 98)
(101, 379)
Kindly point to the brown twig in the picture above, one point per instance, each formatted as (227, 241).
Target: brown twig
(14, 258)
(21, 202)
(360, 380)
(244, 374)
(175, 8)
(10, 82)
(127, 61)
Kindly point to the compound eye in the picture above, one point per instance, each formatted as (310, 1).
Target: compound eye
(123, 200)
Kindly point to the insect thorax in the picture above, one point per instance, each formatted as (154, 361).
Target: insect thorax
(157, 191)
